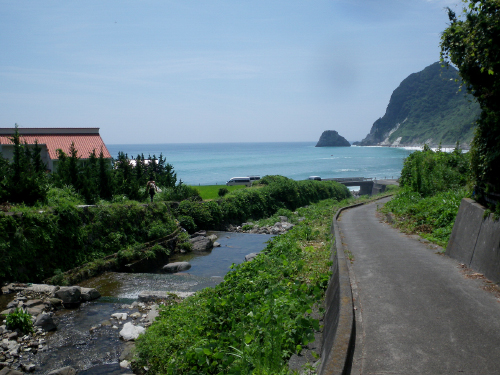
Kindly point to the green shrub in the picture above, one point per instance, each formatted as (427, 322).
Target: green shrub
(432, 186)
(187, 223)
(222, 192)
(254, 203)
(428, 172)
(19, 319)
(82, 235)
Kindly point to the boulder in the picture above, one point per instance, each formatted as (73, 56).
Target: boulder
(33, 303)
(201, 244)
(9, 371)
(56, 302)
(63, 371)
(212, 237)
(150, 295)
(28, 367)
(176, 267)
(201, 233)
(35, 311)
(43, 288)
(120, 316)
(131, 332)
(89, 294)
(45, 322)
(283, 219)
(250, 257)
(70, 295)
(216, 244)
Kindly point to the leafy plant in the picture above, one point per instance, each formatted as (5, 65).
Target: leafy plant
(470, 42)
(19, 319)
(222, 192)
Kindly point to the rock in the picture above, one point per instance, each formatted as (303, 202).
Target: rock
(14, 287)
(120, 316)
(330, 138)
(212, 237)
(128, 351)
(70, 295)
(287, 226)
(176, 267)
(45, 322)
(149, 295)
(216, 244)
(201, 233)
(135, 315)
(6, 312)
(63, 371)
(56, 302)
(124, 364)
(201, 243)
(9, 371)
(35, 311)
(43, 288)
(89, 294)
(152, 314)
(33, 303)
(131, 332)
(283, 219)
(250, 257)
(28, 367)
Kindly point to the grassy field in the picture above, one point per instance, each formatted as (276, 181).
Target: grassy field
(212, 191)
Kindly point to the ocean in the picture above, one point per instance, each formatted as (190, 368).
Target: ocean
(215, 163)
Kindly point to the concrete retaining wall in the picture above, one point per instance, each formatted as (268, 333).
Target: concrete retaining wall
(475, 240)
(339, 330)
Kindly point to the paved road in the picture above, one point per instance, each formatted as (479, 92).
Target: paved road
(416, 312)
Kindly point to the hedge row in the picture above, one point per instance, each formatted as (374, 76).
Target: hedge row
(255, 203)
(36, 245)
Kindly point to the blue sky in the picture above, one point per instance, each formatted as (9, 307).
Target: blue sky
(211, 71)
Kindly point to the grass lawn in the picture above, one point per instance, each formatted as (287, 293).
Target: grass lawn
(212, 191)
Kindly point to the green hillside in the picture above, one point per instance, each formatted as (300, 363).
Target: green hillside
(427, 107)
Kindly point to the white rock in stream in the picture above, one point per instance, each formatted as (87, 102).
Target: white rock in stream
(131, 332)
(118, 316)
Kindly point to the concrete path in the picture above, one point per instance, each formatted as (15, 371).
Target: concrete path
(416, 312)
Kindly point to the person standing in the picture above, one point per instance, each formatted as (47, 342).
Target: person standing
(151, 187)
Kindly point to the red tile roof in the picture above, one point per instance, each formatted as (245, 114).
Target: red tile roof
(84, 143)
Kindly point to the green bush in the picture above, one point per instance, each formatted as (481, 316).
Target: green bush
(67, 237)
(222, 192)
(254, 203)
(427, 172)
(19, 319)
(432, 186)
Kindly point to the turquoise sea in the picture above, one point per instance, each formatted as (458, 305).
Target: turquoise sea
(215, 163)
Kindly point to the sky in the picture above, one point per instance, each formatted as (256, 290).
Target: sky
(185, 71)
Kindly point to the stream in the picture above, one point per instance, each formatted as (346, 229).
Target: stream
(87, 339)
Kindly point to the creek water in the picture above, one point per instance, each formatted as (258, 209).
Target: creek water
(98, 351)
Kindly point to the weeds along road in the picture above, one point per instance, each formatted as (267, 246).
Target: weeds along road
(416, 313)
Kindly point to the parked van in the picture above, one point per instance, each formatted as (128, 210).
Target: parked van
(317, 178)
(239, 181)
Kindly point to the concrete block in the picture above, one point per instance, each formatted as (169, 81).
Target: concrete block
(465, 231)
(486, 257)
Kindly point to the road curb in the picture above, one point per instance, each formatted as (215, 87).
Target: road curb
(339, 331)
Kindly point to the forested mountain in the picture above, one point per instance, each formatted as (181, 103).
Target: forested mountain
(427, 107)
